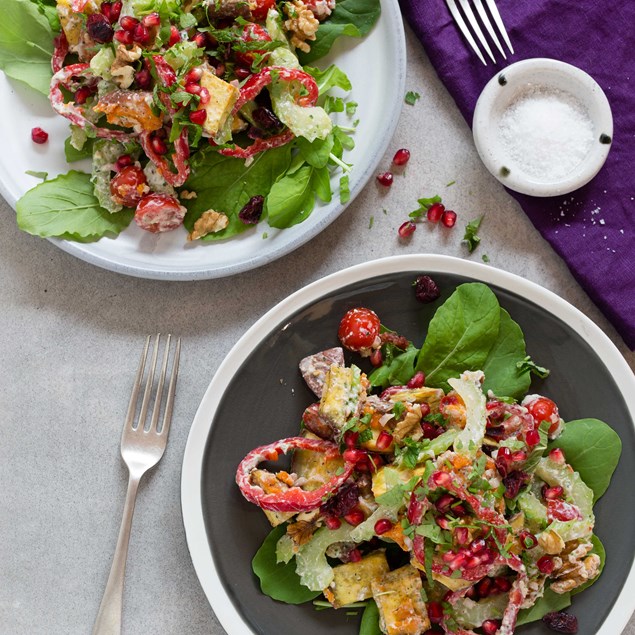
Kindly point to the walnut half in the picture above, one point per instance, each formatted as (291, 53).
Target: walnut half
(578, 566)
(210, 222)
(301, 24)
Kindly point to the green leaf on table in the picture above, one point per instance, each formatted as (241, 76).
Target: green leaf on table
(66, 207)
(593, 448)
(460, 335)
(278, 580)
(26, 44)
(291, 199)
(354, 18)
(471, 237)
(225, 185)
(502, 374)
(370, 620)
(549, 602)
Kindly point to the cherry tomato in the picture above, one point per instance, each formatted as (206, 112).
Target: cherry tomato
(262, 7)
(159, 213)
(251, 33)
(358, 329)
(128, 186)
(543, 409)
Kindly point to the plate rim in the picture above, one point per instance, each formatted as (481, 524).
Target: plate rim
(390, 10)
(191, 471)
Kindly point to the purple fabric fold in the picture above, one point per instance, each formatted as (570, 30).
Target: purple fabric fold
(593, 228)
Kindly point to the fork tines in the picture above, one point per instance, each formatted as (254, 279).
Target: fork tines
(149, 386)
(485, 18)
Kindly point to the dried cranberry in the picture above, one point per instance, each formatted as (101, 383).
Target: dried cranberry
(561, 622)
(251, 213)
(99, 28)
(266, 119)
(426, 289)
(343, 502)
(513, 482)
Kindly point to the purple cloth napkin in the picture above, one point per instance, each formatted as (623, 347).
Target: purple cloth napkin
(593, 228)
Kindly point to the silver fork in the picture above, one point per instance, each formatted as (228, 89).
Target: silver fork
(487, 23)
(141, 450)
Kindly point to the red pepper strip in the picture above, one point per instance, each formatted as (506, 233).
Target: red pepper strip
(60, 52)
(78, 5)
(164, 70)
(293, 499)
(72, 111)
(260, 145)
(250, 90)
(179, 158)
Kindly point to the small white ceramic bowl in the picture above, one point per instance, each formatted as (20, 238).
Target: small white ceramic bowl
(550, 74)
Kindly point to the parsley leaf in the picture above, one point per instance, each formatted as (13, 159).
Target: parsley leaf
(528, 366)
(411, 97)
(471, 238)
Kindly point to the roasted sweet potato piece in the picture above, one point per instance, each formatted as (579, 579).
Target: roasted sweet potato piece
(130, 109)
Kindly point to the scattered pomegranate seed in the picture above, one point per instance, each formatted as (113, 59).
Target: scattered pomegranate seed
(552, 493)
(490, 627)
(115, 10)
(448, 218)
(382, 526)
(204, 96)
(123, 162)
(519, 456)
(444, 503)
(351, 438)
(241, 72)
(194, 75)
(355, 517)
(503, 584)
(175, 36)
(545, 565)
(106, 10)
(407, 229)
(435, 212)
(124, 37)
(425, 409)
(461, 536)
(375, 462)
(532, 438)
(442, 479)
(417, 380)
(198, 116)
(478, 546)
(193, 89)
(150, 20)
(448, 556)
(458, 562)
(430, 431)
(384, 440)
(82, 95)
(376, 357)
(557, 456)
(401, 157)
(141, 35)
(528, 540)
(128, 23)
(458, 510)
(332, 522)
(159, 146)
(201, 40)
(435, 612)
(354, 456)
(354, 555)
(385, 178)
(444, 523)
(484, 587)
(39, 136)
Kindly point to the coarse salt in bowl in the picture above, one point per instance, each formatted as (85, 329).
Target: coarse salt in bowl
(543, 127)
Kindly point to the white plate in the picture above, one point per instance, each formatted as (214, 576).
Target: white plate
(587, 334)
(376, 67)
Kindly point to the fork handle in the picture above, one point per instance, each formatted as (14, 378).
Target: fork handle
(108, 621)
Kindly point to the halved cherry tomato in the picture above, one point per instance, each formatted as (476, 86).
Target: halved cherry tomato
(358, 329)
(159, 213)
(128, 186)
(543, 409)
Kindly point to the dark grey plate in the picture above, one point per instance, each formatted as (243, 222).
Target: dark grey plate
(265, 399)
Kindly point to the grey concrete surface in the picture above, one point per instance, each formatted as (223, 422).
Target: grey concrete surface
(70, 335)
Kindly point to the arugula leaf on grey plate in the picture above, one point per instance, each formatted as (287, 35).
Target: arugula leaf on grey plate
(26, 44)
(370, 620)
(66, 207)
(278, 580)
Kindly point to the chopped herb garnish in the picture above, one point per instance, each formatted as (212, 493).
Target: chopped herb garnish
(471, 238)
(411, 97)
(371, 221)
(528, 366)
(485, 258)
